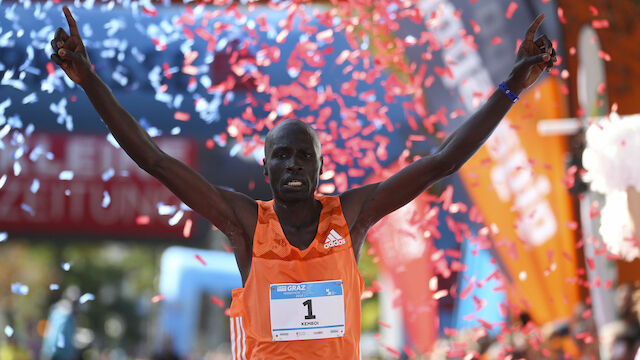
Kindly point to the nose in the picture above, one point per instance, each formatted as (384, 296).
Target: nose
(294, 164)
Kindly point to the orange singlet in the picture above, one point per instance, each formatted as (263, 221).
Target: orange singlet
(312, 294)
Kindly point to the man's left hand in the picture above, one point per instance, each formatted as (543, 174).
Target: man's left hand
(534, 57)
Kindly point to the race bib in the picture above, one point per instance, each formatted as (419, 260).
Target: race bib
(309, 310)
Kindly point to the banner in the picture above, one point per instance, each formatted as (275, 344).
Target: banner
(80, 184)
(406, 254)
(516, 179)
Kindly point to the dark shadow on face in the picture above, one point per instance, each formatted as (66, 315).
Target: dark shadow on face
(293, 161)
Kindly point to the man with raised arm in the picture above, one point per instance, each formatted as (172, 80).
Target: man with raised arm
(298, 253)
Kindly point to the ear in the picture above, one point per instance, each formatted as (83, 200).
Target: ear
(264, 167)
(321, 164)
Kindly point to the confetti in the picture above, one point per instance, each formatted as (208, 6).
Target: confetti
(3, 236)
(157, 298)
(66, 266)
(65, 175)
(217, 301)
(8, 330)
(513, 6)
(186, 231)
(200, 260)
(54, 287)
(86, 297)
(19, 288)
(176, 218)
(106, 199)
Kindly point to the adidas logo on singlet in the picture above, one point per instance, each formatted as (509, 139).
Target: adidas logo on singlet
(334, 239)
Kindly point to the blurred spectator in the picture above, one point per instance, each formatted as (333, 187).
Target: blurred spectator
(61, 326)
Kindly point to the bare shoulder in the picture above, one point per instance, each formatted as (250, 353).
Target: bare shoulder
(245, 210)
(354, 200)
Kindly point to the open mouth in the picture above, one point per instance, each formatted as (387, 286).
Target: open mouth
(294, 183)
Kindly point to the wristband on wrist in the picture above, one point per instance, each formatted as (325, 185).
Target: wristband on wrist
(510, 94)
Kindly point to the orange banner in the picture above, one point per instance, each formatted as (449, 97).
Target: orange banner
(516, 181)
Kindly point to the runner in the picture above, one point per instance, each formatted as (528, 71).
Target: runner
(298, 253)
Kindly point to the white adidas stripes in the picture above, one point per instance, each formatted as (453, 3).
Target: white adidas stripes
(238, 339)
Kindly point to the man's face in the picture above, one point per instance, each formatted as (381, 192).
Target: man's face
(293, 162)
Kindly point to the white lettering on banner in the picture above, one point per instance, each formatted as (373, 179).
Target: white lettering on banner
(514, 180)
(86, 156)
(76, 205)
(512, 175)
(83, 204)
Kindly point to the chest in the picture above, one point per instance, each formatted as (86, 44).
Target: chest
(300, 238)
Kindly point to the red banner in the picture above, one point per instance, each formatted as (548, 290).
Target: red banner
(83, 185)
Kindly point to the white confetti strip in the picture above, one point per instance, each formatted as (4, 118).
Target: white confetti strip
(66, 266)
(3, 236)
(8, 330)
(86, 297)
(17, 168)
(19, 288)
(35, 186)
(65, 175)
(16, 83)
(28, 209)
(54, 287)
(106, 199)
(3, 180)
(176, 218)
(29, 99)
(108, 174)
(35, 153)
(5, 130)
(164, 209)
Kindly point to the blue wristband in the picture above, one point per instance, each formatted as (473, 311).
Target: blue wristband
(510, 94)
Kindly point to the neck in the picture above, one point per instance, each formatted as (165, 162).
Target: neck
(298, 213)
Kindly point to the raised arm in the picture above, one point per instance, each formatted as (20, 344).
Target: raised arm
(368, 204)
(233, 213)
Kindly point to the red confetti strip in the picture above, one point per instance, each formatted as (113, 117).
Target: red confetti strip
(142, 220)
(217, 301)
(392, 351)
(561, 15)
(201, 260)
(468, 289)
(150, 12)
(603, 55)
(513, 6)
(181, 116)
(157, 298)
(186, 231)
(600, 24)
(51, 70)
(387, 325)
(474, 25)
(409, 352)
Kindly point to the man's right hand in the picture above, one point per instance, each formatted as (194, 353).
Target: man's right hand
(70, 53)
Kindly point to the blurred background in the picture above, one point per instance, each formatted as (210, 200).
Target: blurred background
(530, 251)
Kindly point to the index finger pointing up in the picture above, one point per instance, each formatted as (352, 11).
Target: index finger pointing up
(531, 33)
(73, 28)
